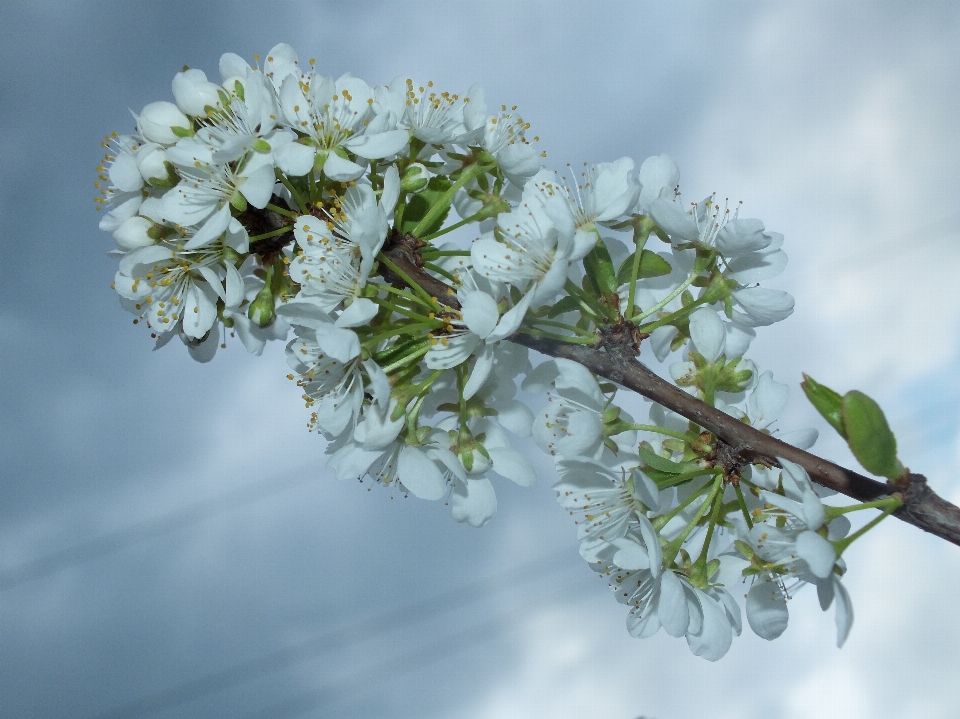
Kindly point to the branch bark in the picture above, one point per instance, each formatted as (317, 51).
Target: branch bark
(921, 507)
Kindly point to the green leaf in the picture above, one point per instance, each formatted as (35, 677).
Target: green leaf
(418, 205)
(654, 460)
(599, 268)
(651, 265)
(869, 435)
(565, 304)
(827, 402)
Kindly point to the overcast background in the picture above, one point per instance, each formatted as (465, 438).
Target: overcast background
(173, 547)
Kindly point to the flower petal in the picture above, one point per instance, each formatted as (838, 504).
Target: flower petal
(767, 611)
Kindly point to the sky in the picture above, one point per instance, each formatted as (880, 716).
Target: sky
(170, 542)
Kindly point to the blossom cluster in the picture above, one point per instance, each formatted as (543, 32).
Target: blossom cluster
(283, 204)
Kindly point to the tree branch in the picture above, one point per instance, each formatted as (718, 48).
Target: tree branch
(921, 507)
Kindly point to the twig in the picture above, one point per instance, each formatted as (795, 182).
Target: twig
(922, 507)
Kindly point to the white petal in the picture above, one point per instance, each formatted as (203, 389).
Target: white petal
(817, 552)
(473, 501)
(481, 372)
(767, 611)
(672, 605)
(420, 475)
(294, 159)
(359, 313)
(340, 170)
(844, 612)
(764, 306)
(657, 173)
(630, 555)
(708, 333)
(257, 187)
(660, 340)
(674, 220)
(715, 636)
(338, 343)
(479, 312)
(382, 144)
(741, 237)
(767, 401)
(199, 308)
(215, 226)
(391, 190)
(514, 466)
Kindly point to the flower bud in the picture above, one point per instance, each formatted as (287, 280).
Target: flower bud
(154, 167)
(157, 122)
(263, 308)
(415, 178)
(133, 233)
(193, 92)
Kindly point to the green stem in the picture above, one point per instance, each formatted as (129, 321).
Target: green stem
(405, 295)
(416, 354)
(406, 278)
(714, 518)
(446, 199)
(281, 211)
(627, 426)
(293, 191)
(683, 478)
(430, 254)
(641, 234)
(413, 328)
(743, 505)
(402, 310)
(586, 302)
(562, 325)
(661, 521)
(451, 228)
(699, 266)
(833, 512)
(673, 547)
(272, 233)
(892, 504)
(673, 316)
(550, 335)
(440, 271)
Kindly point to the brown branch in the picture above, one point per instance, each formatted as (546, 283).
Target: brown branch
(921, 507)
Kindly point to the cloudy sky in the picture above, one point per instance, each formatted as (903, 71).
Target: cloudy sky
(171, 543)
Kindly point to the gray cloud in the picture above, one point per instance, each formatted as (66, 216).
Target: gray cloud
(836, 123)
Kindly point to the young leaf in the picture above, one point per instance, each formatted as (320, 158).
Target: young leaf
(826, 402)
(419, 204)
(599, 268)
(657, 462)
(869, 435)
(564, 304)
(651, 265)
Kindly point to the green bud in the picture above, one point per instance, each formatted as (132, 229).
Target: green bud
(493, 205)
(320, 160)
(827, 402)
(262, 310)
(238, 201)
(171, 179)
(611, 414)
(869, 436)
(414, 178)
(599, 268)
(745, 549)
(227, 321)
